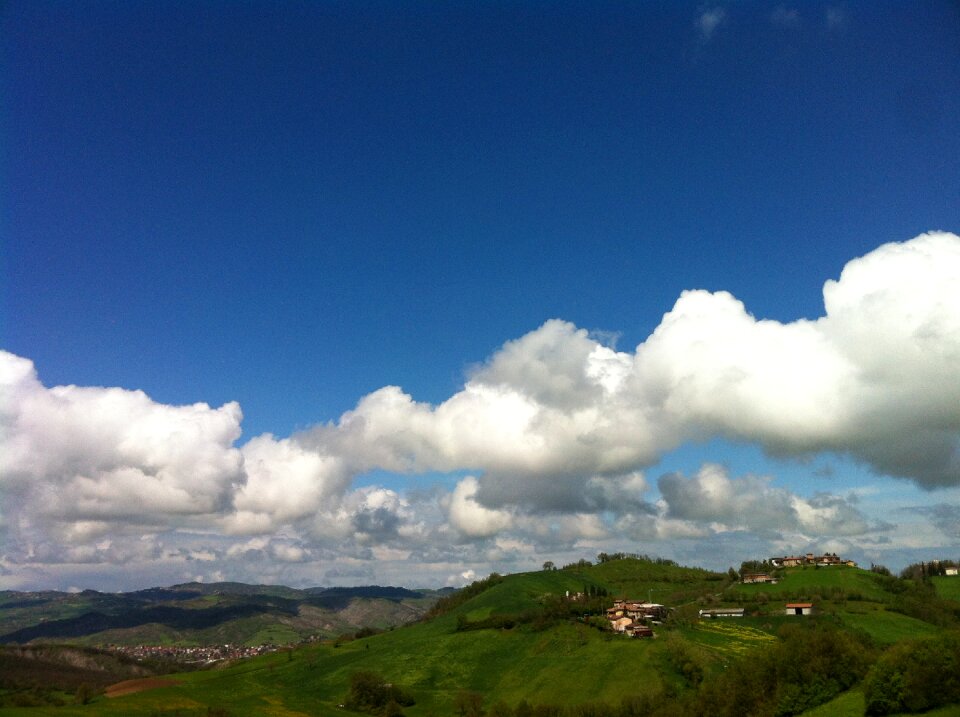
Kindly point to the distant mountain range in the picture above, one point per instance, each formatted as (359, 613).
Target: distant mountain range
(206, 613)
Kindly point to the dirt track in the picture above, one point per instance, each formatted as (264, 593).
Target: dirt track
(128, 687)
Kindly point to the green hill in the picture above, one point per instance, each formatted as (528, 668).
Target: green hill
(887, 609)
(547, 654)
(558, 664)
(825, 582)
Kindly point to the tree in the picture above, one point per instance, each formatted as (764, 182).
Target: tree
(366, 691)
(755, 566)
(370, 693)
(523, 709)
(392, 709)
(915, 676)
(549, 565)
(608, 557)
(84, 694)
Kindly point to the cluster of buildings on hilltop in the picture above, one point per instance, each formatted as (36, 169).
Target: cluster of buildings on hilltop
(790, 561)
(796, 561)
(635, 617)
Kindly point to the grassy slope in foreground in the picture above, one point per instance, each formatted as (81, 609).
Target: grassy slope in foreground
(564, 664)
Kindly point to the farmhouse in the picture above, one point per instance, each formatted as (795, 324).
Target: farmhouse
(636, 610)
(629, 617)
(788, 562)
(799, 608)
(630, 628)
(758, 578)
(722, 612)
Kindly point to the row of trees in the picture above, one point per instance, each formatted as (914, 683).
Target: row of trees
(752, 566)
(607, 558)
(924, 571)
(610, 557)
(809, 665)
(450, 602)
(919, 599)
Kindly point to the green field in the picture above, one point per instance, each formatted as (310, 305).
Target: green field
(564, 664)
(948, 587)
(887, 627)
(851, 704)
(557, 666)
(818, 584)
(848, 704)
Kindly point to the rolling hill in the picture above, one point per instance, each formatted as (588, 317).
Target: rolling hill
(518, 646)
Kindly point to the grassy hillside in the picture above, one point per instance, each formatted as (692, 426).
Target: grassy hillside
(948, 587)
(561, 660)
(558, 665)
(887, 609)
(810, 583)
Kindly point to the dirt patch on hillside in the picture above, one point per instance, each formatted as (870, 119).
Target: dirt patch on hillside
(128, 687)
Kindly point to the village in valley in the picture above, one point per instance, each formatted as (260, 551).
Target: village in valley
(193, 654)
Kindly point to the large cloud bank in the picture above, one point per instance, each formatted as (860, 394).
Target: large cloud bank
(877, 377)
(554, 428)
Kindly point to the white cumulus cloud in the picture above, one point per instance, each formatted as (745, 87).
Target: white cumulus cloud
(87, 454)
(877, 377)
(753, 503)
(471, 518)
(555, 429)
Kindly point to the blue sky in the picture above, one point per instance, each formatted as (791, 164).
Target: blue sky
(291, 206)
